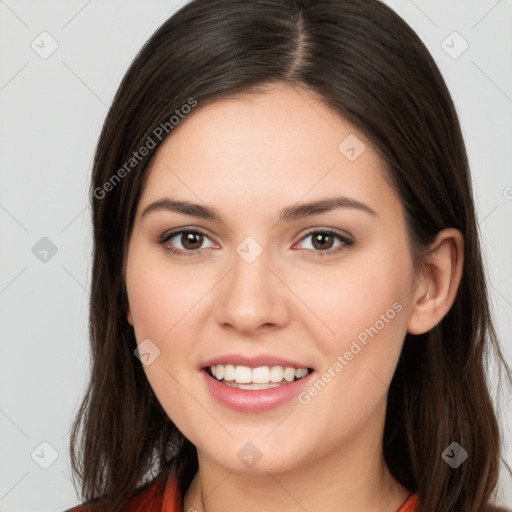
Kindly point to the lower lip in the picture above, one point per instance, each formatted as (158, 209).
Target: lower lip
(255, 400)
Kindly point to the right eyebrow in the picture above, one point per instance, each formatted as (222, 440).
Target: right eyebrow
(185, 207)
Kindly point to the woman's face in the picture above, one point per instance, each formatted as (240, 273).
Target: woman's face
(274, 284)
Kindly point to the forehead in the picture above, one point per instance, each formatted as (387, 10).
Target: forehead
(277, 146)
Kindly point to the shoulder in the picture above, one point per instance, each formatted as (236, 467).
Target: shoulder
(491, 507)
(411, 505)
(149, 498)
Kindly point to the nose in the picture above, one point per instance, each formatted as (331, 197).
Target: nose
(252, 297)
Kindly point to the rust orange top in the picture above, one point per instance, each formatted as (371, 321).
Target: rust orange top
(156, 498)
(409, 504)
(153, 498)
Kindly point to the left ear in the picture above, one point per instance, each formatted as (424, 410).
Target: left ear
(437, 288)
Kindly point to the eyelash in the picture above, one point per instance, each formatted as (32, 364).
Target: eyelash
(327, 231)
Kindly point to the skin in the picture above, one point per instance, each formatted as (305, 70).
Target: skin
(249, 156)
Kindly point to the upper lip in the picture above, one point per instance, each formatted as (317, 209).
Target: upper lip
(253, 362)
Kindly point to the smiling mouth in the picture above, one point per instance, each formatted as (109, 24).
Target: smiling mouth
(262, 377)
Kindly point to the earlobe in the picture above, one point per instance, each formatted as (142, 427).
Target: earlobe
(436, 292)
(130, 318)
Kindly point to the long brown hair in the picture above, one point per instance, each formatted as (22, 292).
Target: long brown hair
(365, 62)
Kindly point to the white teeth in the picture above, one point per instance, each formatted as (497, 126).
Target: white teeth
(261, 375)
(243, 374)
(251, 386)
(229, 372)
(276, 374)
(219, 372)
(289, 374)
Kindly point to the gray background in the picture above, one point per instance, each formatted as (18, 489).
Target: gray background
(52, 109)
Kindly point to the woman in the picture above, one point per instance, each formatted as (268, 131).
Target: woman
(288, 305)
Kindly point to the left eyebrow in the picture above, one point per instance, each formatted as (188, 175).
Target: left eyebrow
(287, 214)
(324, 205)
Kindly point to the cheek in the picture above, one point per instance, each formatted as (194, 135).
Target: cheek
(162, 304)
(363, 309)
(366, 317)
(160, 295)
(356, 298)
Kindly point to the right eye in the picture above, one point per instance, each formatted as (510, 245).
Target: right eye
(190, 238)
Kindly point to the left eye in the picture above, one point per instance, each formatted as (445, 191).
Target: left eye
(323, 239)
